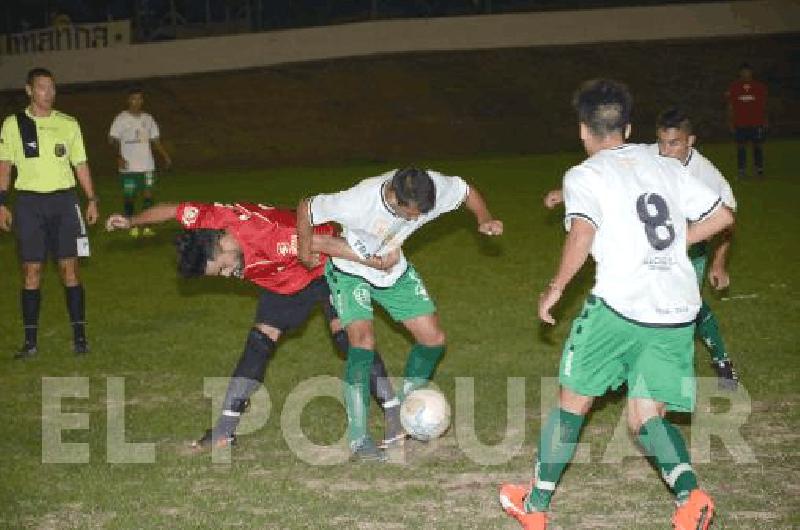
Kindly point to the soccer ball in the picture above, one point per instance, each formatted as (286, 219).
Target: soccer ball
(425, 414)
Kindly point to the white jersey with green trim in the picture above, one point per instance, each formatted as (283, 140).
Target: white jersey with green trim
(364, 215)
(134, 134)
(639, 204)
(701, 168)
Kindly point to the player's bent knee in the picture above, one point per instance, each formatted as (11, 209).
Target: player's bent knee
(272, 332)
(361, 335)
(258, 351)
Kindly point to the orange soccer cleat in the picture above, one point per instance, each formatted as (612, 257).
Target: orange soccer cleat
(512, 499)
(695, 513)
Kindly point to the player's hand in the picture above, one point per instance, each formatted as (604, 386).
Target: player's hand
(117, 222)
(547, 299)
(491, 228)
(719, 278)
(5, 218)
(553, 199)
(388, 261)
(91, 213)
(167, 164)
(122, 164)
(313, 260)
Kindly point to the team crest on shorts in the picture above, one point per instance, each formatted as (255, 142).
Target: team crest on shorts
(362, 297)
(60, 150)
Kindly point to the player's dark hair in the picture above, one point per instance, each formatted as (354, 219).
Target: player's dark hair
(195, 248)
(745, 66)
(135, 89)
(413, 186)
(604, 106)
(674, 118)
(33, 73)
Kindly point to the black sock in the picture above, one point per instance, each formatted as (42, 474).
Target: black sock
(30, 300)
(128, 207)
(76, 307)
(247, 377)
(147, 202)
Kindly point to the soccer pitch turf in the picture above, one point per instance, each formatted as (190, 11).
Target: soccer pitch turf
(164, 335)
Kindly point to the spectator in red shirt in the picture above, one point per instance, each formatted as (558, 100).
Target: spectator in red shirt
(259, 243)
(747, 118)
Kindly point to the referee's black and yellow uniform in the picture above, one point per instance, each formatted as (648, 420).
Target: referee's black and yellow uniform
(47, 215)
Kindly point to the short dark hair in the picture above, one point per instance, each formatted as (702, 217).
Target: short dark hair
(745, 66)
(33, 73)
(195, 248)
(674, 118)
(414, 186)
(135, 89)
(604, 106)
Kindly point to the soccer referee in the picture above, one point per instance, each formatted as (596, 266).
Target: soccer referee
(45, 144)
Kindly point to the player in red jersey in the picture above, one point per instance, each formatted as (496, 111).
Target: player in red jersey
(747, 118)
(258, 243)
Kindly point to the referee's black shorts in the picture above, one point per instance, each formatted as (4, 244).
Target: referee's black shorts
(48, 224)
(287, 312)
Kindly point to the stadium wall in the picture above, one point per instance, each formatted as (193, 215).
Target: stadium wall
(252, 50)
(406, 107)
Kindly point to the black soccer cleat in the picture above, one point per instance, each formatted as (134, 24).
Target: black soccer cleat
(728, 377)
(208, 442)
(80, 347)
(27, 351)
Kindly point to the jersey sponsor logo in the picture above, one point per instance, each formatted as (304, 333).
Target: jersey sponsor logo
(659, 263)
(287, 248)
(189, 216)
(746, 97)
(60, 150)
(32, 145)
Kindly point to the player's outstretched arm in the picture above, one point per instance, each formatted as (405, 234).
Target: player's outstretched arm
(157, 214)
(305, 234)
(576, 250)
(337, 247)
(487, 224)
(715, 223)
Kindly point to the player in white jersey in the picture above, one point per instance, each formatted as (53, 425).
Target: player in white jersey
(377, 215)
(629, 209)
(133, 132)
(676, 139)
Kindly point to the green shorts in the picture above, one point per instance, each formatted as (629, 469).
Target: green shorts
(353, 296)
(133, 183)
(698, 254)
(605, 350)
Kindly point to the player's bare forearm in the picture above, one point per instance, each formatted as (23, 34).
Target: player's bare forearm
(305, 233)
(84, 176)
(163, 152)
(5, 174)
(721, 251)
(718, 221)
(576, 250)
(487, 224)
(155, 214)
(337, 247)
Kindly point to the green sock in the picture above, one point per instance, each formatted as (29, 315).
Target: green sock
(356, 392)
(664, 444)
(557, 443)
(420, 365)
(708, 331)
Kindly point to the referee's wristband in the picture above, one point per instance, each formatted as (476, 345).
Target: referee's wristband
(3, 197)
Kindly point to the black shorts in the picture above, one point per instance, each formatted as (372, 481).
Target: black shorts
(749, 134)
(48, 223)
(290, 311)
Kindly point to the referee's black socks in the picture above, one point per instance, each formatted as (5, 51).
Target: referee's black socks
(76, 306)
(30, 300)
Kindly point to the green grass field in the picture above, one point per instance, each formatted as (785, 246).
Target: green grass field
(164, 335)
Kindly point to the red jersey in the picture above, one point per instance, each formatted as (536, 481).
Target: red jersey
(748, 99)
(267, 236)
